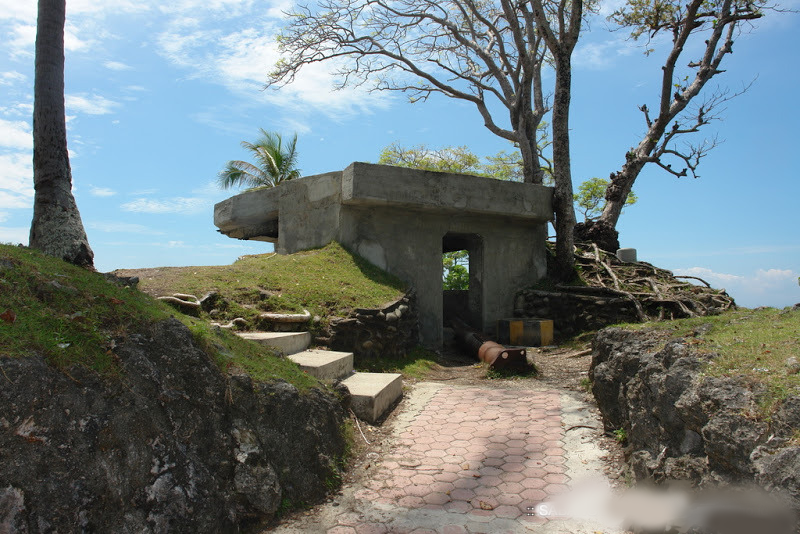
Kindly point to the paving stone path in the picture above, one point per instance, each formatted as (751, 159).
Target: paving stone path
(469, 460)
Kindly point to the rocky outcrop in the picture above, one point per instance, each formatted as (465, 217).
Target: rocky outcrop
(170, 444)
(369, 333)
(680, 424)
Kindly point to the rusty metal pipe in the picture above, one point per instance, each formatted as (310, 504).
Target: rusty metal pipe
(496, 356)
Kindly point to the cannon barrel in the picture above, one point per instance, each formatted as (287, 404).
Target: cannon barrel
(493, 354)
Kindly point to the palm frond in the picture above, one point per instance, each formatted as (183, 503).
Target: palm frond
(274, 163)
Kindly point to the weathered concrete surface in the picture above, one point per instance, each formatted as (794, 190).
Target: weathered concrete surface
(324, 364)
(286, 342)
(401, 220)
(373, 393)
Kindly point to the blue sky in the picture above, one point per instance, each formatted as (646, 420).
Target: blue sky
(160, 96)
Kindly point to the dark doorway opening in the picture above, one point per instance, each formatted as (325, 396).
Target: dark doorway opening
(463, 299)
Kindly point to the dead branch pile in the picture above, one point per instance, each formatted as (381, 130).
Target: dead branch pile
(658, 293)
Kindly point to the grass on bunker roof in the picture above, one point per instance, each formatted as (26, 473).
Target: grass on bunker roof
(329, 281)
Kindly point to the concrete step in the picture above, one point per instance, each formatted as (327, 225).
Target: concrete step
(373, 393)
(286, 342)
(324, 364)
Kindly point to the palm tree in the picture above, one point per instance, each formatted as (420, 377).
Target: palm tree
(56, 228)
(275, 163)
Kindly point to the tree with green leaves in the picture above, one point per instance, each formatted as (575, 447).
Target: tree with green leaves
(455, 274)
(56, 229)
(459, 159)
(276, 162)
(453, 159)
(591, 201)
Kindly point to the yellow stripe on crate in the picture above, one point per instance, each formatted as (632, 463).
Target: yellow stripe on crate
(516, 332)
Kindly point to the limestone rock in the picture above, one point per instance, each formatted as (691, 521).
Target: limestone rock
(159, 448)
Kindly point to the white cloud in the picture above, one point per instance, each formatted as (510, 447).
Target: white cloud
(101, 192)
(121, 227)
(775, 275)
(16, 135)
(16, 10)
(603, 54)
(4, 216)
(14, 235)
(179, 205)
(241, 60)
(707, 275)
(16, 180)
(23, 37)
(18, 109)
(92, 105)
(11, 78)
(116, 65)
(764, 287)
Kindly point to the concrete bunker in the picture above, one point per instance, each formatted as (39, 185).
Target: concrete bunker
(402, 220)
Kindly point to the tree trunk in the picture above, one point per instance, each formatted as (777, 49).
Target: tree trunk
(56, 228)
(562, 168)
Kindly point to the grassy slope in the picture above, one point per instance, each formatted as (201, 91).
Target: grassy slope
(75, 317)
(754, 344)
(329, 281)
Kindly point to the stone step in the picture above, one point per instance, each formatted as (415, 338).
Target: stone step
(324, 364)
(286, 342)
(373, 393)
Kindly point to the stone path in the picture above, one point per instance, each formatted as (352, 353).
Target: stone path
(469, 460)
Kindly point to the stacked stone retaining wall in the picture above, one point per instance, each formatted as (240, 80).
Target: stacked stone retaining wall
(371, 333)
(575, 310)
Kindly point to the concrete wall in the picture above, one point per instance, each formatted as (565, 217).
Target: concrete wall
(408, 244)
(396, 218)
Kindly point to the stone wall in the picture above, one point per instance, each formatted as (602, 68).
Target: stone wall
(576, 309)
(680, 424)
(170, 445)
(370, 333)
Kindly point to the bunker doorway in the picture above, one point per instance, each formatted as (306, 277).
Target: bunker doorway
(464, 303)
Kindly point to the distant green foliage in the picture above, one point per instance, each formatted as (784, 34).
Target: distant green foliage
(591, 198)
(455, 274)
(458, 160)
(276, 162)
(454, 159)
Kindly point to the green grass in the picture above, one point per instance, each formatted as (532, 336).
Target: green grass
(236, 355)
(67, 314)
(329, 281)
(753, 344)
(72, 316)
(415, 365)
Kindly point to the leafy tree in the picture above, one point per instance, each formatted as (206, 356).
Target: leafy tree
(454, 159)
(56, 229)
(276, 163)
(502, 166)
(708, 27)
(590, 198)
(455, 274)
